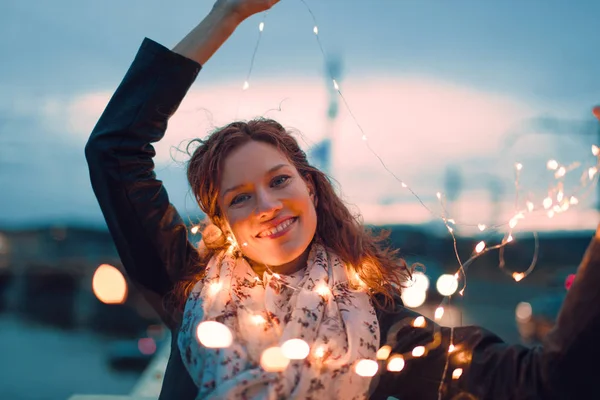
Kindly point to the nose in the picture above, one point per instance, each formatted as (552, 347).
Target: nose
(267, 204)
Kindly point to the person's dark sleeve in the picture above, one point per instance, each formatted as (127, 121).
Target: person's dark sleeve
(565, 366)
(148, 232)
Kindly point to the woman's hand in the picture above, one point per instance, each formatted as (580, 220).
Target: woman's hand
(245, 8)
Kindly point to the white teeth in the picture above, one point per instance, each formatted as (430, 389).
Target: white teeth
(278, 228)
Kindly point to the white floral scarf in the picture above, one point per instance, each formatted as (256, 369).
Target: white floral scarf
(339, 325)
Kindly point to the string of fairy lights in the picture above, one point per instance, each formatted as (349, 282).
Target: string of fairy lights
(214, 335)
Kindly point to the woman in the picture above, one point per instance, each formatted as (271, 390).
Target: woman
(284, 259)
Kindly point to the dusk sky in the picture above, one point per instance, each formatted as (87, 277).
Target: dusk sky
(432, 84)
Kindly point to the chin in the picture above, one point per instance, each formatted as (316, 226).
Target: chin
(282, 254)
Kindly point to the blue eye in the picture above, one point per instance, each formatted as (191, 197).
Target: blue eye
(280, 180)
(239, 198)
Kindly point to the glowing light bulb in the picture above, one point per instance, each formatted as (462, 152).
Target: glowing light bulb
(450, 229)
(295, 349)
(246, 85)
(213, 334)
(592, 172)
(384, 352)
(595, 150)
(517, 276)
(396, 363)
(573, 200)
(457, 373)
(451, 348)
(419, 322)
(550, 214)
(276, 276)
(509, 239)
(439, 313)
(559, 196)
(258, 319)
(438, 195)
(323, 290)
(261, 26)
(480, 246)
(195, 229)
(418, 351)
(273, 360)
(404, 185)
(320, 352)
(446, 284)
(547, 203)
(366, 367)
(513, 222)
(316, 30)
(560, 172)
(335, 85)
(214, 288)
(552, 164)
(481, 227)
(519, 166)
(364, 137)
(529, 206)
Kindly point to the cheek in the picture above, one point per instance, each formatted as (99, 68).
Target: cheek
(239, 222)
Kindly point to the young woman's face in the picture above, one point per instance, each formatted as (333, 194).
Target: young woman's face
(268, 206)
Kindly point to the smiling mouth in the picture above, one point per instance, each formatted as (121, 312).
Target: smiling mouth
(279, 230)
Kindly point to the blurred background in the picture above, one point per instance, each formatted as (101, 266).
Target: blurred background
(452, 95)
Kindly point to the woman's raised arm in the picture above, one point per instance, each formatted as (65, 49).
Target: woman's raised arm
(149, 234)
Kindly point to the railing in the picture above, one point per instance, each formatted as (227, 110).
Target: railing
(149, 384)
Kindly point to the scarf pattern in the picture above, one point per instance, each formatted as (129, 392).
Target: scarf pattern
(338, 323)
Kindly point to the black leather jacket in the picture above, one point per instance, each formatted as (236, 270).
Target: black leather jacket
(152, 241)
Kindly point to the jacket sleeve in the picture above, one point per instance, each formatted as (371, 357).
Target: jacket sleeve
(565, 366)
(148, 232)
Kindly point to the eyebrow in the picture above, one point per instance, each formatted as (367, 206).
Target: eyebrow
(236, 187)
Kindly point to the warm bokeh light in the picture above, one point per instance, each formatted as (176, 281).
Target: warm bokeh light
(439, 313)
(419, 322)
(384, 352)
(524, 311)
(109, 285)
(273, 360)
(366, 367)
(213, 334)
(457, 373)
(447, 284)
(418, 351)
(295, 349)
(413, 297)
(396, 363)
